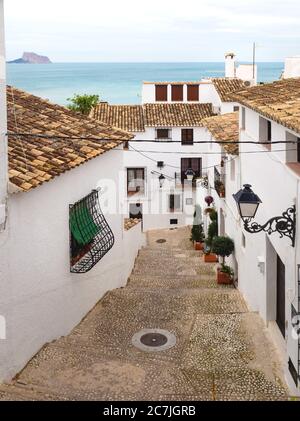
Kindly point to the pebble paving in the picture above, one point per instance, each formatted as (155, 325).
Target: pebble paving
(222, 350)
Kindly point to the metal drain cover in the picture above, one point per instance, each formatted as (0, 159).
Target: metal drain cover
(161, 241)
(154, 340)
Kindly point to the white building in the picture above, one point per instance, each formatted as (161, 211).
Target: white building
(267, 266)
(291, 67)
(245, 72)
(59, 254)
(3, 129)
(167, 127)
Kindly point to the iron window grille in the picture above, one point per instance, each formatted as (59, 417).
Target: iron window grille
(91, 238)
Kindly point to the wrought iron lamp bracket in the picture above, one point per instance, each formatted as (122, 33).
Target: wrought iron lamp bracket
(285, 225)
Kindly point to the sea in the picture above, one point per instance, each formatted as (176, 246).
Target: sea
(117, 83)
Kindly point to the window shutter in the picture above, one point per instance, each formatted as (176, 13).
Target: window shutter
(161, 92)
(193, 92)
(177, 93)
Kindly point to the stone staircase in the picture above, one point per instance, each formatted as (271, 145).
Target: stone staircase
(222, 351)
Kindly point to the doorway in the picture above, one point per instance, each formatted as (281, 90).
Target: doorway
(191, 163)
(280, 296)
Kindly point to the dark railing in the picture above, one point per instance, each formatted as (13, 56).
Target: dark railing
(219, 183)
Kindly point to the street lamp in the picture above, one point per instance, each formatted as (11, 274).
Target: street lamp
(190, 174)
(161, 179)
(248, 203)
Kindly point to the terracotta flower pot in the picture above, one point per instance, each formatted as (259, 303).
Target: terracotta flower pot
(210, 258)
(198, 246)
(223, 278)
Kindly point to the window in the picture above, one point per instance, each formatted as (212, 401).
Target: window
(187, 136)
(135, 180)
(191, 163)
(160, 164)
(177, 93)
(163, 134)
(265, 131)
(173, 221)
(189, 201)
(243, 118)
(90, 235)
(236, 108)
(193, 92)
(126, 146)
(174, 202)
(161, 93)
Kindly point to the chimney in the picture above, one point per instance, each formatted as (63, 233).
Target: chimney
(3, 125)
(230, 65)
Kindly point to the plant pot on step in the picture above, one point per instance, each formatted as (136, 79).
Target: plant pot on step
(224, 278)
(198, 246)
(210, 258)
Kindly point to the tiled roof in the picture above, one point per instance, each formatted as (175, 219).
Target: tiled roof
(199, 82)
(225, 128)
(178, 115)
(34, 160)
(126, 117)
(226, 86)
(279, 101)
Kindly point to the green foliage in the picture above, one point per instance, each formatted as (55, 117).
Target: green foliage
(227, 269)
(213, 215)
(223, 246)
(83, 103)
(197, 233)
(212, 230)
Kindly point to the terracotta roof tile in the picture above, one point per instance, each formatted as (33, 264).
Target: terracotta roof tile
(130, 223)
(41, 159)
(176, 114)
(126, 117)
(279, 101)
(225, 128)
(226, 86)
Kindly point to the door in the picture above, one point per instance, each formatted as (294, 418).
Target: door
(136, 210)
(194, 163)
(280, 294)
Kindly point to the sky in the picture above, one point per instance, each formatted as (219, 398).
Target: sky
(155, 30)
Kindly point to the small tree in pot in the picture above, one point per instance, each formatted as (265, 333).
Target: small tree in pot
(223, 247)
(212, 233)
(197, 234)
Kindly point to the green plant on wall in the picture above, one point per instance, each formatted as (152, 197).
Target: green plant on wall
(83, 103)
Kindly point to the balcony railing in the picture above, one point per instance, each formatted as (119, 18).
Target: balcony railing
(219, 183)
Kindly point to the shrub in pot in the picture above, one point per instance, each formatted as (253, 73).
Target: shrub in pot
(223, 247)
(210, 257)
(197, 233)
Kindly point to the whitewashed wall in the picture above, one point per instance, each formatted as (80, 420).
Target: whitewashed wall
(3, 129)
(278, 188)
(39, 297)
(155, 200)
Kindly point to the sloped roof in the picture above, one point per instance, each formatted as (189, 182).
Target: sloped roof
(225, 86)
(176, 114)
(126, 117)
(279, 101)
(225, 128)
(34, 160)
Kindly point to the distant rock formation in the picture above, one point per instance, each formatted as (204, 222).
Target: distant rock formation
(31, 58)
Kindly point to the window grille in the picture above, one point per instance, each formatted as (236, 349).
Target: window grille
(90, 235)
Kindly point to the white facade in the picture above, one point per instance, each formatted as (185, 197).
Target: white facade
(39, 297)
(292, 67)
(275, 177)
(155, 201)
(3, 128)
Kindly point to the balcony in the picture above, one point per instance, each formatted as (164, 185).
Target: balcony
(219, 183)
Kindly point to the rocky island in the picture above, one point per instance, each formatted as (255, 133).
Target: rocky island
(32, 58)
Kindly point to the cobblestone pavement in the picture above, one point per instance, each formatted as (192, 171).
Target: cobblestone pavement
(222, 350)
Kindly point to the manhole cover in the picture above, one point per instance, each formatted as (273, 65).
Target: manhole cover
(161, 241)
(154, 340)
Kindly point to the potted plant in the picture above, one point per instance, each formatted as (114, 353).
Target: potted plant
(197, 234)
(210, 257)
(223, 247)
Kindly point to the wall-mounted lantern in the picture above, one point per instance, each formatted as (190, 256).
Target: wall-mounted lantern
(190, 174)
(161, 179)
(248, 203)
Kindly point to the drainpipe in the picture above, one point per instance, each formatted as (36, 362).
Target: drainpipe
(3, 125)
